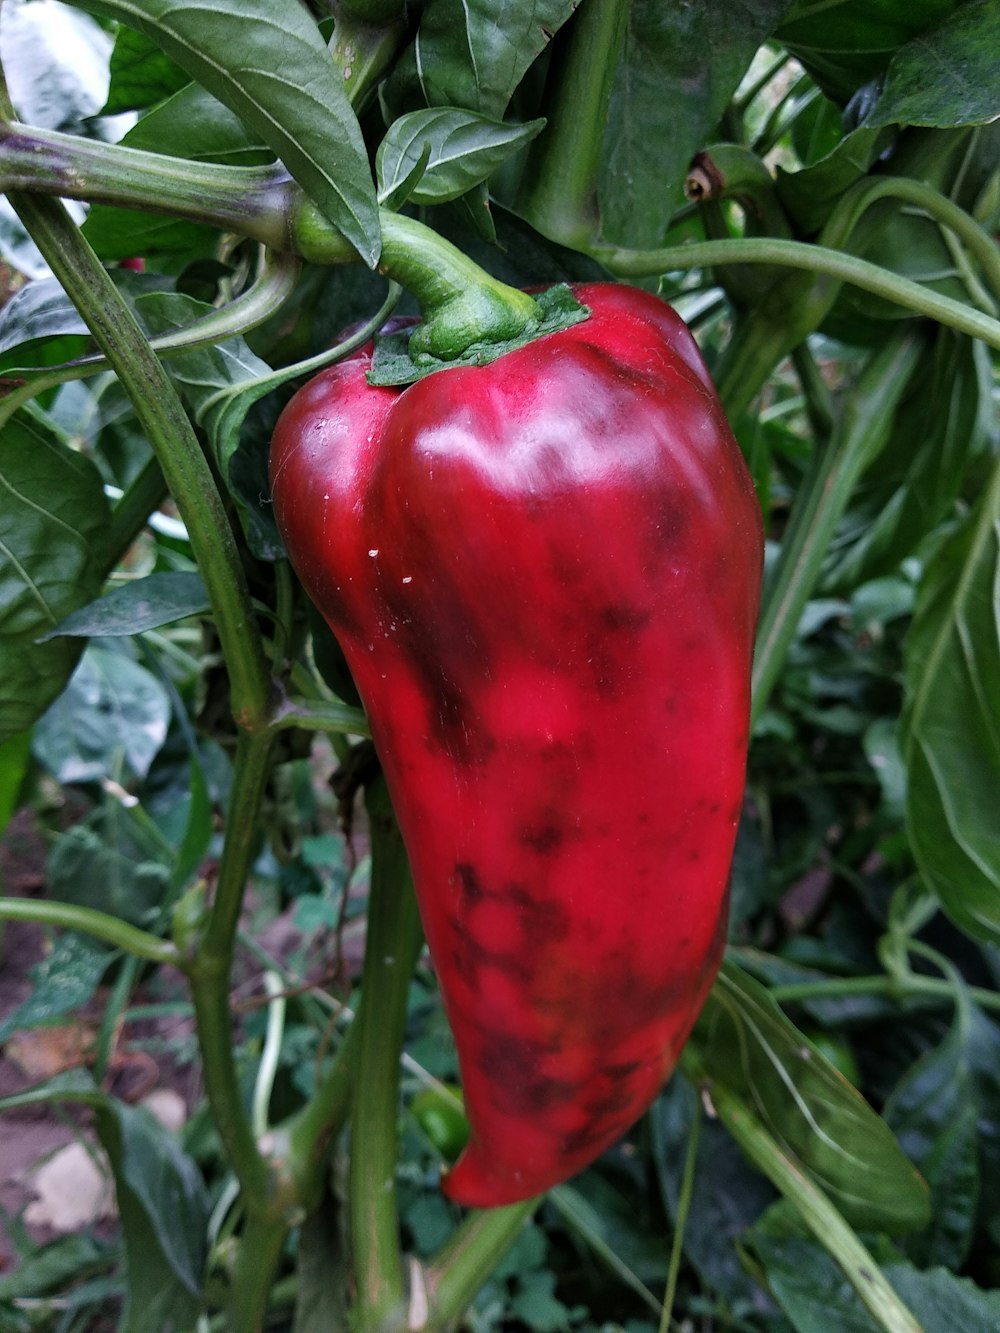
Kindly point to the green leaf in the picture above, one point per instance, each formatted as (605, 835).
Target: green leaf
(167, 1185)
(271, 67)
(113, 710)
(474, 54)
(914, 482)
(934, 1112)
(53, 528)
(31, 322)
(745, 1043)
(817, 1298)
(464, 149)
(689, 58)
(157, 599)
(951, 726)
(845, 43)
(728, 1196)
(192, 124)
(112, 862)
(810, 193)
(948, 75)
(54, 1268)
(141, 75)
(61, 983)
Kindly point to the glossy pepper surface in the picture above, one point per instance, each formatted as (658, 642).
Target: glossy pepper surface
(544, 574)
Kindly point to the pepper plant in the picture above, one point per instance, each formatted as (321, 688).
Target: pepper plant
(816, 190)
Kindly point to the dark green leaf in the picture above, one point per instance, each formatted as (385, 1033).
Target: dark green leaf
(53, 1268)
(167, 1184)
(273, 70)
(112, 862)
(948, 75)
(72, 1085)
(934, 1113)
(113, 709)
(141, 75)
(157, 599)
(810, 193)
(845, 43)
(951, 728)
(464, 150)
(40, 311)
(915, 481)
(53, 527)
(61, 983)
(745, 1043)
(689, 58)
(192, 124)
(818, 1299)
(393, 364)
(474, 55)
(728, 1197)
(164, 1216)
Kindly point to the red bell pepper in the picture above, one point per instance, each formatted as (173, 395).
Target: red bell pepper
(544, 574)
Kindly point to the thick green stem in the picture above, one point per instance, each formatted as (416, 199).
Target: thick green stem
(817, 1212)
(172, 438)
(251, 201)
(391, 946)
(139, 943)
(311, 1130)
(461, 304)
(468, 1258)
(820, 503)
(558, 194)
(257, 1259)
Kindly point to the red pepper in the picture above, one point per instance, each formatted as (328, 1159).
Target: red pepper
(544, 574)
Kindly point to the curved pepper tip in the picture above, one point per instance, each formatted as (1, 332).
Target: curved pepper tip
(476, 1182)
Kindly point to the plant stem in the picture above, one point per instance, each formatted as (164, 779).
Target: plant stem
(558, 191)
(683, 1208)
(128, 518)
(467, 1259)
(820, 503)
(251, 201)
(811, 258)
(257, 1259)
(391, 947)
(139, 943)
(169, 432)
(902, 989)
(817, 1212)
(461, 305)
(312, 1129)
(977, 241)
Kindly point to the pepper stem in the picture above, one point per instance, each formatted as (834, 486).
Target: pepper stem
(461, 304)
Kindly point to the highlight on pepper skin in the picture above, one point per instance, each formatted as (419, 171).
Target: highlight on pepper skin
(544, 574)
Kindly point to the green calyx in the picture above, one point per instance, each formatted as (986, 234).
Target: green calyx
(408, 355)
